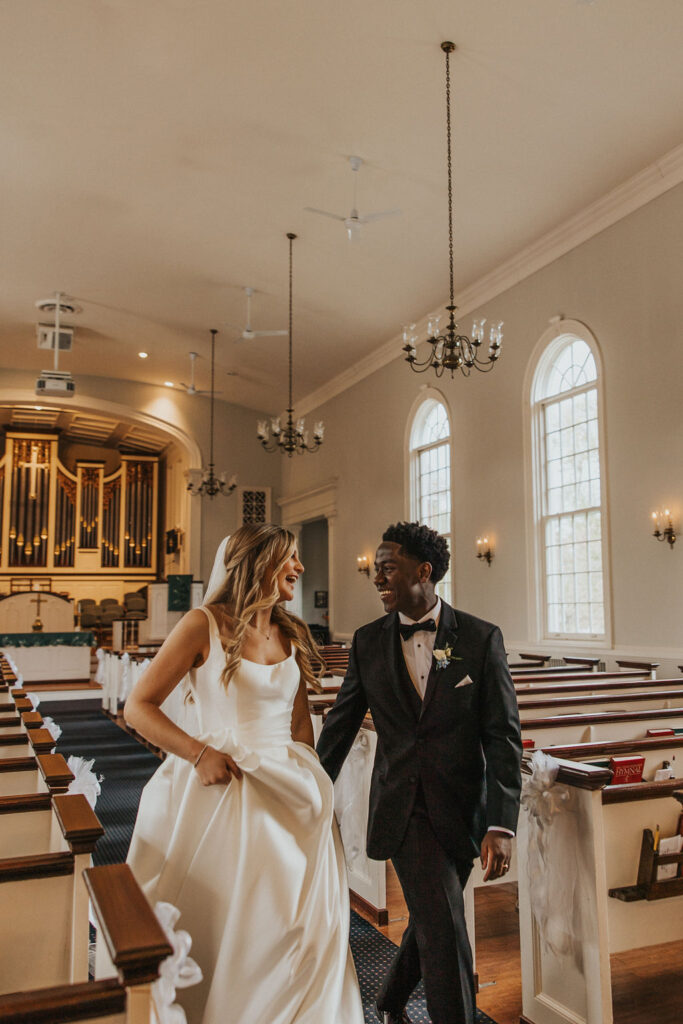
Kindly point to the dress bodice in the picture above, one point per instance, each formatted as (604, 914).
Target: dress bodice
(257, 705)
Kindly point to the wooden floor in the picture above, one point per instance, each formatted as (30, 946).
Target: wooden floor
(647, 984)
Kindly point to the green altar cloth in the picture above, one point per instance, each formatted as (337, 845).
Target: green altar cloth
(85, 639)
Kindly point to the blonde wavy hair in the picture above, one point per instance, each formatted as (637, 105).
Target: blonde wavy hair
(252, 550)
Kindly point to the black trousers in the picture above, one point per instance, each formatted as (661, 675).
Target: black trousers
(435, 944)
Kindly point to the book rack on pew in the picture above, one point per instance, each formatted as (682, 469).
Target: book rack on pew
(648, 887)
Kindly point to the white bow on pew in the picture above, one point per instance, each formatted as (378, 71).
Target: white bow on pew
(554, 862)
(177, 971)
(85, 780)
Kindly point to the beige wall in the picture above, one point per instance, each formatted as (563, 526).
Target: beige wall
(625, 285)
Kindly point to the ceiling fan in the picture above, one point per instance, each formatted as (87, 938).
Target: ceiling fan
(191, 389)
(354, 221)
(248, 333)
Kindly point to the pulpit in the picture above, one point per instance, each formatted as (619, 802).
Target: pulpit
(29, 611)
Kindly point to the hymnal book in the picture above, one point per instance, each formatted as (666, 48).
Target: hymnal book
(627, 769)
(660, 732)
(527, 744)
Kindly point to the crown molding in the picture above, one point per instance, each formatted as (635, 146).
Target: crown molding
(656, 179)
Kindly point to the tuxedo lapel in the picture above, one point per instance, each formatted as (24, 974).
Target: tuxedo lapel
(448, 630)
(396, 666)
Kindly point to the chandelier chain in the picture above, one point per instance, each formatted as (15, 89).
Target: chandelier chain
(450, 174)
(210, 484)
(213, 352)
(291, 317)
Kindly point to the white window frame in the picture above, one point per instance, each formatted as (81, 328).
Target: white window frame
(425, 394)
(553, 339)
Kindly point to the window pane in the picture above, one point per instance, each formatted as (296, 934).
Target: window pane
(430, 471)
(572, 531)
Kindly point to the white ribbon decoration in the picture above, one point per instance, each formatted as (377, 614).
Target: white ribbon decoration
(125, 684)
(99, 675)
(178, 970)
(352, 819)
(35, 699)
(554, 857)
(85, 780)
(54, 730)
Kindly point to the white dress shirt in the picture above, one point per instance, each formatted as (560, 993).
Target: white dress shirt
(418, 651)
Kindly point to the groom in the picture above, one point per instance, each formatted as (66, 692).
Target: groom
(446, 779)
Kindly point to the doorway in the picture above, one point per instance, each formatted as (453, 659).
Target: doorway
(314, 554)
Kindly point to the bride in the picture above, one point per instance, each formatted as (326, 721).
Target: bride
(236, 828)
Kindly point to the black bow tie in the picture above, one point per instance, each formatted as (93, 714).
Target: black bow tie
(407, 630)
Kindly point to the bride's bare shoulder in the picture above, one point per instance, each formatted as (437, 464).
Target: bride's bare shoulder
(223, 619)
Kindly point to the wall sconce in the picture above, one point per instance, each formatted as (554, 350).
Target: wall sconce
(484, 550)
(668, 534)
(364, 565)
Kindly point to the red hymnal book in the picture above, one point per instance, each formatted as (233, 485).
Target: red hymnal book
(626, 769)
(527, 744)
(660, 732)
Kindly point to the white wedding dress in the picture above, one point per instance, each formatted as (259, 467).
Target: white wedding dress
(256, 867)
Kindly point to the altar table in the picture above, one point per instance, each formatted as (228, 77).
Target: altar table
(49, 657)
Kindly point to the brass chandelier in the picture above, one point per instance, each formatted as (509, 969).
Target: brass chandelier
(451, 351)
(292, 438)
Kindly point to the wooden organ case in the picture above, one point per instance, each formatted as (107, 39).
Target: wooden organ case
(68, 524)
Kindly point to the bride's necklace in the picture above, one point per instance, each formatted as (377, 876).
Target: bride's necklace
(263, 632)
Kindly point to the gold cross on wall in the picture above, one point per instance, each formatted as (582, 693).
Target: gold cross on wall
(34, 465)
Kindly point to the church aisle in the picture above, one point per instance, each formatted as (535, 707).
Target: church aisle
(124, 764)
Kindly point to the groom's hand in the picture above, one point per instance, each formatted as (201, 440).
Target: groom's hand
(496, 850)
(216, 768)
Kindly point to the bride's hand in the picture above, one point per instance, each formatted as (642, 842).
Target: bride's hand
(216, 768)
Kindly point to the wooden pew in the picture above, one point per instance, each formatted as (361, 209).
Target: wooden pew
(555, 730)
(131, 945)
(566, 951)
(654, 749)
(45, 846)
(335, 658)
(567, 675)
(23, 743)
(35, 773)
(559, 704)
(611, 685)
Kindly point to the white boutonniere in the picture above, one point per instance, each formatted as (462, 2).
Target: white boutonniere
(443, 656)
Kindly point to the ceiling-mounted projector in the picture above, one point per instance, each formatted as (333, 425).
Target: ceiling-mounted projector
(47, 334)
(58, 383)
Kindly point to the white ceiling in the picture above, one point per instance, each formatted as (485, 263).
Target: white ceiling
(153, 156)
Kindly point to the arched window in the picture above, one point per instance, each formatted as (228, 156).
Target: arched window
(430, 473)
(569, 498)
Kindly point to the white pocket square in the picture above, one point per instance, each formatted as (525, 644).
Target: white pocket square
(465, 681)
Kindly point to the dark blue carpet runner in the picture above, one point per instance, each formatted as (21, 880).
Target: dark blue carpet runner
(126, 766)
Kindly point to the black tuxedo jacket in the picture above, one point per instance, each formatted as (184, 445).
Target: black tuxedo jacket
(462, 743)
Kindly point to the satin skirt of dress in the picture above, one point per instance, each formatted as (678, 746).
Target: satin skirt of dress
(257, 870)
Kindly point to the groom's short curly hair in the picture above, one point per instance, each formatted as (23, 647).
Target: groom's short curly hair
(422, 543)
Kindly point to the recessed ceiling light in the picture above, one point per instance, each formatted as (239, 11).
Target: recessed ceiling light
(169, 384)
(143, 355)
